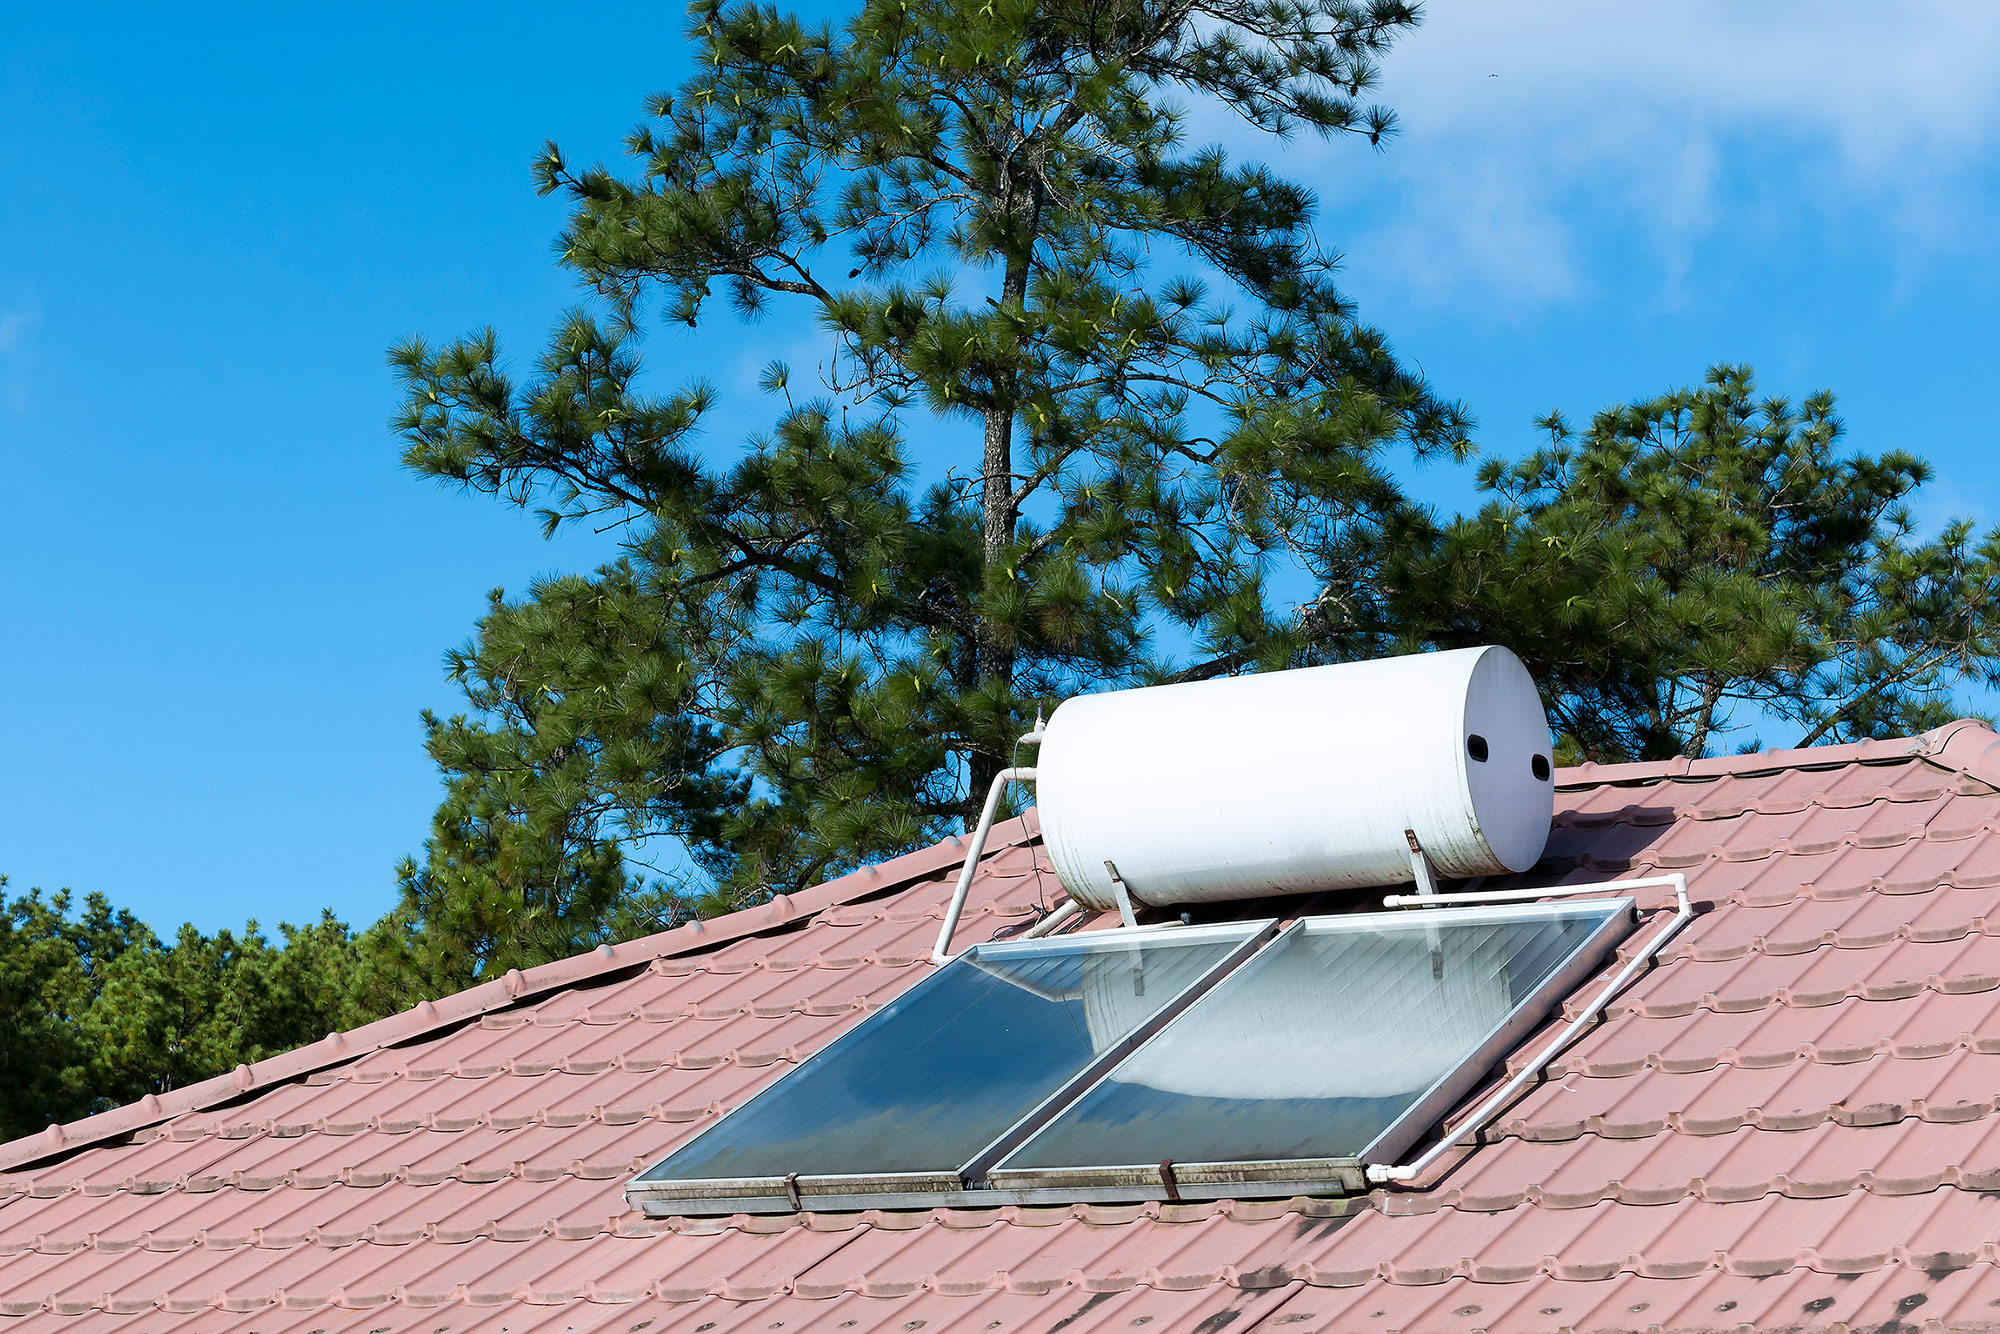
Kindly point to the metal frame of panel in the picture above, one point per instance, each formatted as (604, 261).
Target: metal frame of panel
(980, 1184)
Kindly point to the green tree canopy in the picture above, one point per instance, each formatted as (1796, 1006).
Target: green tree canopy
(101, 1012)
(1708, 564)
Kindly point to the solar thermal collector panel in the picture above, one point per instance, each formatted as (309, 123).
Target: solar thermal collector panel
(1157, 1062)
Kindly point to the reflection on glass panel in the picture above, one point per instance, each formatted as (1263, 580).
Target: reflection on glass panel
(1317, 1044)
(939, 1073)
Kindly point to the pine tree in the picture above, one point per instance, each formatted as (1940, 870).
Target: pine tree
(1171, 420)
(49, 959)
(1704, 565)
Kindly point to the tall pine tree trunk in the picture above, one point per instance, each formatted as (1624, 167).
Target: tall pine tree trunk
(994, 641)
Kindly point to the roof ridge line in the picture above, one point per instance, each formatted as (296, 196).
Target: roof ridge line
(1691, 813)
(503, 992)
(1968, 745)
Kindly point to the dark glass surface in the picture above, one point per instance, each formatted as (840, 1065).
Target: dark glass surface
(939, 1073)
(1316, 1045)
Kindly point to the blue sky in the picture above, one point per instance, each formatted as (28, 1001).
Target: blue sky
(224, 603)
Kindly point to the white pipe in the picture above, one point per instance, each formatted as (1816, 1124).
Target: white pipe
(1683, 913)
(941, 953)
(1522, 895)
(1069, 909)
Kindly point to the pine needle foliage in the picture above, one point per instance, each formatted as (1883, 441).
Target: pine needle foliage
(101, 1011)
(996, 217)
(1696, 566)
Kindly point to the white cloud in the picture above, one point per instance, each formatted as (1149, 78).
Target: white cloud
(1876, 88)
(1530, 128)
(1478, 218)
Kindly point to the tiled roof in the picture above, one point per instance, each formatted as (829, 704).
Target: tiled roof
(1789, 1123)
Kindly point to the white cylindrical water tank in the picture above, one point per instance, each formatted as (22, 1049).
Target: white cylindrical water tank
(1290, 782)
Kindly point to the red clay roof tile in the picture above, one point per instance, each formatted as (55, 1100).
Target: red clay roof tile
(1792, 1121)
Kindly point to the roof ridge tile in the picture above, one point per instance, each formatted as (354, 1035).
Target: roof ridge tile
(1968, 745)
(1956, 744)
(1639, 815)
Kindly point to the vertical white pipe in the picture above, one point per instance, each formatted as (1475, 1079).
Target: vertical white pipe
(941, 953)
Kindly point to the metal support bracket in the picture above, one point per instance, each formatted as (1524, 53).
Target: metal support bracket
(1421, 869)
(1126, 914)
(1425, 875)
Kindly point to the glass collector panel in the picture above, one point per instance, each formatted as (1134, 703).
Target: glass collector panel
(1317, 1044)
(938, 1073)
